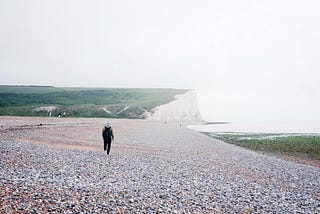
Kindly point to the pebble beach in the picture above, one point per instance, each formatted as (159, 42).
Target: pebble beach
(57, 165)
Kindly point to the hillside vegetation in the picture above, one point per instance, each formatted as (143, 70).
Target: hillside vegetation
(82, 102)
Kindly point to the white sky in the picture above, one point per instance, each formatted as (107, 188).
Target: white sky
(248, 60)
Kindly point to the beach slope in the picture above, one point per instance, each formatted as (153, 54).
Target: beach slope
(57, 165)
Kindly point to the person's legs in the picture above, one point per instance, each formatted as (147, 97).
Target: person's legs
(105, 145)
(109, 147)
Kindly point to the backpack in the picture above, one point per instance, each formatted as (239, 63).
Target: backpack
(106, 132)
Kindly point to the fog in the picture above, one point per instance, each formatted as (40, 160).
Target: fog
(248, 60)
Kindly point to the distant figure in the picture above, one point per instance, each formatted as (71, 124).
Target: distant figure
(107, 135)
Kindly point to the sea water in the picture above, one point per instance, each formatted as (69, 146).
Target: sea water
(303, 127)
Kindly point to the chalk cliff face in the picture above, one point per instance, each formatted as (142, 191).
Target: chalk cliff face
(184, 108)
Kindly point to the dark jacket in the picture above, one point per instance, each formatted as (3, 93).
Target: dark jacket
(107, 133)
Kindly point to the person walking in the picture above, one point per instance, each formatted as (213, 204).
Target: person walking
(107, 134)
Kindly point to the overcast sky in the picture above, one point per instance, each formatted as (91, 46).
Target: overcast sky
(248, 60)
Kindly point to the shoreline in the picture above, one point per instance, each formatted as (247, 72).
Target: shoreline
(293, 156)
(297, 127)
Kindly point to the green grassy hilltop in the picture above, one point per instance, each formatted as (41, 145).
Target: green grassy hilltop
(82, 102)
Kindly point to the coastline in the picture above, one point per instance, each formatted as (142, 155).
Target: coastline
(269, 138)
(302, 127)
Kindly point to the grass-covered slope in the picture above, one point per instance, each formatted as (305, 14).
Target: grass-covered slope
(82, 102)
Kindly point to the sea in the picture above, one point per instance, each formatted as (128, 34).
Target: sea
(296, 127)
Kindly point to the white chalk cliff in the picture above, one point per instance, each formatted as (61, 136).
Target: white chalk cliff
(184, 108)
